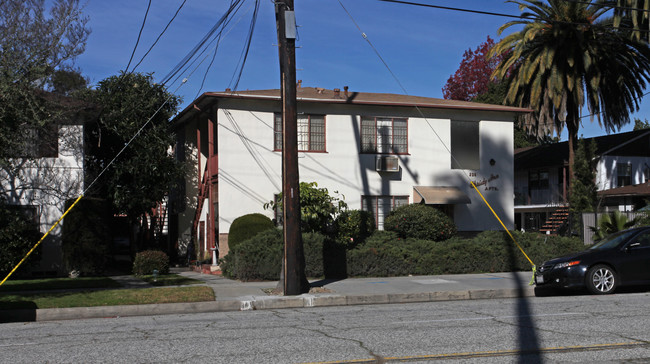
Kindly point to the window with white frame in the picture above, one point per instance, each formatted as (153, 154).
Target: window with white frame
(381, 206)
(311, 133)
(465, 150)
(384, 135)
(624, 174)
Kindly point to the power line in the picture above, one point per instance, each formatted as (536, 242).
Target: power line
(139, 35)
(160, 35)
(480, 12)
(234, 7)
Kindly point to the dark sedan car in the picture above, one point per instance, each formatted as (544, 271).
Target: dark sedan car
(622, 258)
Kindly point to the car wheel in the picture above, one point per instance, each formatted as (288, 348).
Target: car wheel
(601, 279)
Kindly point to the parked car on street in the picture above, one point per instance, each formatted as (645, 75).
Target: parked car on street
(622, 258)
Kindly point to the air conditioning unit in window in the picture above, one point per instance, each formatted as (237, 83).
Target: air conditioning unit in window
(387, 163)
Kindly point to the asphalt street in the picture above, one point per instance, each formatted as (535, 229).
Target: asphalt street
(557, 329)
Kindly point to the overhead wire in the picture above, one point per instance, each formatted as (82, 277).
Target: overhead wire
(480, 12)
(235, 6)
(160, 35)
(139, 35)
(244, 56)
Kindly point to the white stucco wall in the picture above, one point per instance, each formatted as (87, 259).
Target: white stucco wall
(250, 171)
(607, 172)
(47, 183)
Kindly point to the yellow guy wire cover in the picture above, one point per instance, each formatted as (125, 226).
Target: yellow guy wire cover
(41, 240)
(502, 224)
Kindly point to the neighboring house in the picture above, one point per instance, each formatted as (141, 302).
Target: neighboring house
(375, 150)
(542, 181)
(43, 175)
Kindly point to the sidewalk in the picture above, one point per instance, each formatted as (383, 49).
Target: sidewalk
(233, 295)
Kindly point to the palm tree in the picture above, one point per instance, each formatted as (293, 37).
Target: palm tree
(635, 15)
(569, 55)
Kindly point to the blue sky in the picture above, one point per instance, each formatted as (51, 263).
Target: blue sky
(422, 46)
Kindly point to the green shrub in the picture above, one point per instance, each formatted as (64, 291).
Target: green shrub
(246, 227)
(258, 258)
(87, 236)
(354, 226)
(420, 222)
(145, 262)
(385, 254)
(18, 234)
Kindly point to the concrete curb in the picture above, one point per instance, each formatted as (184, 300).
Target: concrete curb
(247, 303)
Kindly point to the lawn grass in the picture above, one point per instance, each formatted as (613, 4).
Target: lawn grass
(21, 285)
(107, 297)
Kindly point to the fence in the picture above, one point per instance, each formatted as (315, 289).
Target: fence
(590, 219)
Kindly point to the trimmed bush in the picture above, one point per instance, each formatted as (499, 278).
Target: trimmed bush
(420, 222)
(146, 261)
(246, 227)
(258, 258)
(87, 236)
(354, 226)
(385, 254)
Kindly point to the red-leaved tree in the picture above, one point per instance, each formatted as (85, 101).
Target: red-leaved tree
(473, 75)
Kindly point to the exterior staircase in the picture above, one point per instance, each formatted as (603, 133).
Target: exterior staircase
(556, 221)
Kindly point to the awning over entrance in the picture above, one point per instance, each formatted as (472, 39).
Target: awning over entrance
(439, 195)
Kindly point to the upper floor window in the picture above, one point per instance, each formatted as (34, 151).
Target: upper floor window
(465, 145)
(384, 135)
(538, 180)
(38, 143)
(311, 133)
(624, 174)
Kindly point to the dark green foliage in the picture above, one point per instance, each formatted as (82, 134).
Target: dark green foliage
(145, 262)
(317, 208)
(420, 222)
(246, 227)
(86, 237)
(384, 254)
(582, 197)
(260, 257)
(354, 226)
(612, 223)
(132, 104)
(18, 234)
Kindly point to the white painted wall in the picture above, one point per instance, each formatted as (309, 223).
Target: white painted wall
(607, 173)
(47, 183)
(250, 171)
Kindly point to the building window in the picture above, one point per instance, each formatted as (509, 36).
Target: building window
(311, 133)
(646, 174)
(538, 180)
(381, 206)
(384, 135)
(39, 143)
(624, 174)
(465, 145)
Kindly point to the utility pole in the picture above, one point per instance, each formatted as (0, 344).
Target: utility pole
(294, 259)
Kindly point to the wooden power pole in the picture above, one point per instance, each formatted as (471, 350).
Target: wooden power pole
(294, 259)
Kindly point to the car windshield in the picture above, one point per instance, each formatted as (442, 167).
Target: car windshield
(613, 240)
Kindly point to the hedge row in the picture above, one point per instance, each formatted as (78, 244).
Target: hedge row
(386, 254)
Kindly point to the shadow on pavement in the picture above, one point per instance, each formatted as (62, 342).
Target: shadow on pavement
(527, 341)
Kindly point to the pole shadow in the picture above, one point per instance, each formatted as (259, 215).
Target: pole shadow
(527, 340)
